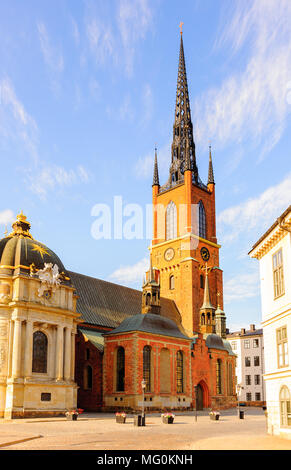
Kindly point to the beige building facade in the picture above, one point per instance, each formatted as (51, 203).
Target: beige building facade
(273, 250)
(38, 322)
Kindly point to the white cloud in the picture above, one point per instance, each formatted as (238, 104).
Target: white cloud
(251, 105)
(101, 39)
(145, 165)
(52, 177)
(148, 104)
(52, 56)
(256, 213)
(131, 274)
(124, 112)
(134, 18)
(241, 287)
(15, 121)
(6, 216)
(116, 37)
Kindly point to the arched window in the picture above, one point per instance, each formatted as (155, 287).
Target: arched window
(218, 377)
(285, 406)
(172, 282)
(201, 281)
(171, 221)
(148, 299)
(88, 376)
(230, 381)
(147, 367)
(39, 354)
(180, 376)
(120, 369)
(202, 221)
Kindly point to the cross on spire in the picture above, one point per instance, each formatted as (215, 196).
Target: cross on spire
(181, 26)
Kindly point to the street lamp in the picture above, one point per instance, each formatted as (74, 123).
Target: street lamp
(143, 386)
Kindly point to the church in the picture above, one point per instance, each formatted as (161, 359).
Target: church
(69, 340)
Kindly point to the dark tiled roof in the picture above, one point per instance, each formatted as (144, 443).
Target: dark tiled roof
(247, 333)
(106, 304)
(150, 323)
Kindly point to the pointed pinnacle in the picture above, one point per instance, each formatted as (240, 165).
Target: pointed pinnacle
(206, 299)
(210, 169)
(156, 171)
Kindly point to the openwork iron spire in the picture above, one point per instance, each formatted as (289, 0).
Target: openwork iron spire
(183, 128)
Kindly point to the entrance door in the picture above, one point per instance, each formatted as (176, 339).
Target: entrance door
(199, 397)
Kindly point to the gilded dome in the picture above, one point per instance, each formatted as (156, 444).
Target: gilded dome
(20, 253)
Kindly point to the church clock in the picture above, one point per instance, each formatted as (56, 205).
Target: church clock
(169, 254)
(205, 255)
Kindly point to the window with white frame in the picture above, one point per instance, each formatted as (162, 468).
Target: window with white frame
(282, 346)
(247, 344)
(278, 274)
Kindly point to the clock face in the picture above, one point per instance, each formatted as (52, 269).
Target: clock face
(205, 255)
(169, 254)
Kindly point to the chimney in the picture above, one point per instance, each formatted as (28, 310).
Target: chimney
(253, 327)
(243, 331)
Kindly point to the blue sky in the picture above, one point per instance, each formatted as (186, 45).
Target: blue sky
(87, 88)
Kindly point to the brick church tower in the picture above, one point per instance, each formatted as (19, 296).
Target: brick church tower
(184, 247)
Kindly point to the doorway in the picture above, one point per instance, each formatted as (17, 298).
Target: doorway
(199, 397)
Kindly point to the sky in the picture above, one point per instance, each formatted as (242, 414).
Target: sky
(87, 90)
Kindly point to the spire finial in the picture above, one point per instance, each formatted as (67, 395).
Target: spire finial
(181, 26)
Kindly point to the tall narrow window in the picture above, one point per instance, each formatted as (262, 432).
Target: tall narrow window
(39, 355)
(88, 376)
(147, 367)
(218, 377)
(285, 406)
(180, 376)
(282, 346)
(202, 221)
(171, 221)
(278, 275)
(172, 282)
(120, 369)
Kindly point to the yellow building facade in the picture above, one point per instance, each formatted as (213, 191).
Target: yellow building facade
(38, 322)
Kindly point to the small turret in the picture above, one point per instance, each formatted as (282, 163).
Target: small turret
(151, 291)
(220, 320)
